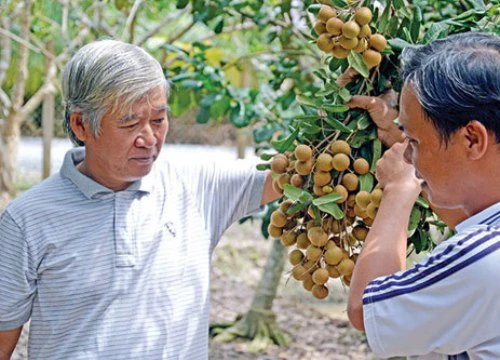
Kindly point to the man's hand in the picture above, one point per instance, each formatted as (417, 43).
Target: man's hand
(393, 171)
(383, 113)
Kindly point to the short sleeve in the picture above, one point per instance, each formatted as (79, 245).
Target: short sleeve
(17, 278)
(446, 304)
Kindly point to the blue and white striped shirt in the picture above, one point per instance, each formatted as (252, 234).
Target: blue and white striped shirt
(119, 275)
(445, 305)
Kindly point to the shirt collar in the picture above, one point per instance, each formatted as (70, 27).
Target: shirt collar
(489, 216)
(92, 189)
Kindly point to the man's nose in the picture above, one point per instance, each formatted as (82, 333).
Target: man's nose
(408, 154)
(146, 138)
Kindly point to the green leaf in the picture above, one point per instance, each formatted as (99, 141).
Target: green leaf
(325, 92)
(356, 62)
(340, 3)
(327, 199)
(283, 144)
(296, 194)
(337, 125)
(336, 108)
(263, 167)
(181, 4)
(415, 217)
(393, 26)
(435, 31)
(416, 23)
(220, 25)
(345, 94)
(314, 9)
(366, 182)
(377, 153)
(307, 117)
(363, 122)
(203, 115)
(477, 4)
(296, 208)
(335, 64)
(398, 44)
(304, 100)
(266, 157)
(399, 4)
(384, 18)
(422, 202)
(332, 209)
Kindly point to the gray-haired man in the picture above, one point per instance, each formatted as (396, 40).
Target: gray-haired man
(445, 307)
(110, 258)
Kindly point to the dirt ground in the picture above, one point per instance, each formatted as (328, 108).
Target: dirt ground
(318, 329)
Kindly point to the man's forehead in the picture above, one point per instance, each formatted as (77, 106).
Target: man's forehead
(143, 111)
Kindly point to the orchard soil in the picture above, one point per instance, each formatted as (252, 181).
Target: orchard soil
(318, 329)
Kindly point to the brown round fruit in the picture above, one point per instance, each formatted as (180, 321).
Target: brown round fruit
(334, 26)
(313, 253)
(377, 42)
(302, 241)
(326, 12)
(341, 162)
(350, 29)
(325, 42)
(363, 199)
(322, 178)
(308, 283)
(371, 210)
(300, 273)
(361, 166)
(372, 58)
(319, 291)
(360, 232)
(347, 43)
(341, 190)
(339, 52)
(297, 180)
(278, 219)
(324, 162)
(376, 197)
(333, 271)
(365, 31)
(346, 267)
(320, 27)
(327, 189)
(350, 181)
(318, 190)
(304, 168)
(288, 238)
(363, 15)
(295, 257)
(333, 256)
(317, 236)
(361, 47)
(282, 180)
(274, 231)
(279, 163)
(320, 276)
(285, 205)
(276, 186)
(303, 152)
(340, 146)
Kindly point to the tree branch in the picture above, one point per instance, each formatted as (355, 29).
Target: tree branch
(47, 88)
(5, 51)
(129, 25)
(180, 34)
(22, 75)
(228, 30)
(164, 22)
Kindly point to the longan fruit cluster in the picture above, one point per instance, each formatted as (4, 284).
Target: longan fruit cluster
(323, 247)
(355, 34)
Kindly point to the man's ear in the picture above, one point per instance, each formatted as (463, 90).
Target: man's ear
(476, 139)
(78, 126)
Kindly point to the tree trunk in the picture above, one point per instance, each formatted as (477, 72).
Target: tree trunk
(48, 130)
(259, 323)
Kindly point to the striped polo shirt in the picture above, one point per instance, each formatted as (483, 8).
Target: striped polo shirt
(119, 275)
(448, 305)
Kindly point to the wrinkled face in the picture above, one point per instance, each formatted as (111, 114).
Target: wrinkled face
(437, 163)
(129, 141)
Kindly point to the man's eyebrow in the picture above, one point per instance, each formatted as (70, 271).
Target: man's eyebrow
(129, 117)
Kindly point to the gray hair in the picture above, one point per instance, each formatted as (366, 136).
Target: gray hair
(105, 75)
(456, 80)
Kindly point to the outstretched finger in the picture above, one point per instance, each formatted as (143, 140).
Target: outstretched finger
(346, 77)
(364, 102)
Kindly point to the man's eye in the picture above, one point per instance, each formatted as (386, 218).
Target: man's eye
(130, 126)
(159, 121)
